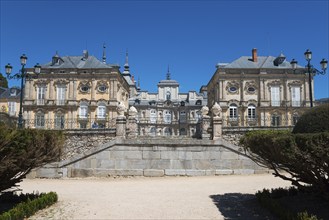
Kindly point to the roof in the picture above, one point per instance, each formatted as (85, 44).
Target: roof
(77, 62)
(168, 82)
(7, 93)
(264, 62)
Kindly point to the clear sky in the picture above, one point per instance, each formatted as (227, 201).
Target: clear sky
(189, 36)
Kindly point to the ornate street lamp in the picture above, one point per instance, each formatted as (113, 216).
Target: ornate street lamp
(311, 70)
(22, 75)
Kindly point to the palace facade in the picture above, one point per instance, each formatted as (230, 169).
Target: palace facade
(259, 91)
(168, 112)
(74, 92)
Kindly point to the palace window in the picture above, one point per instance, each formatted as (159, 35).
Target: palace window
(102, 88)
(251, 112)
(60, 95)
(233, 112)
(153, 131)
(233, 89)
(153, 116)
(40, 120)
(84, 88)
(275, 120)
(167, 131)
(41, 91)
(168, 95)
(12, 108)
(295, 96)
(101, 111)
(295, 119)
(59, 121)
(275, 96)
(83, 111)
(167, 116)
(251, 89)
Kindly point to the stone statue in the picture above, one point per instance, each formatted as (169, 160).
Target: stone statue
(216, 109)
(132, 111)
(204, 111)
(121, 109)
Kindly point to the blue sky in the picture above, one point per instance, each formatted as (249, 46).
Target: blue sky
(189, 36)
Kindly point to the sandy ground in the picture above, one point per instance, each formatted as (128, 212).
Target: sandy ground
(209, 197)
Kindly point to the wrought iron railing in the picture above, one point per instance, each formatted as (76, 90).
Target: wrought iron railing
(70, 123)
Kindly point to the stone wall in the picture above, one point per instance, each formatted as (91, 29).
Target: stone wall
(155, 157)
(81, 141)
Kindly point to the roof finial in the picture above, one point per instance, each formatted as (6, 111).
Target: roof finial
(168, 74)
(138, 85)
(104, 53)
(126, 66)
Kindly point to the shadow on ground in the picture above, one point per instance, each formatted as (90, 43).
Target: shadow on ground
(237, 206)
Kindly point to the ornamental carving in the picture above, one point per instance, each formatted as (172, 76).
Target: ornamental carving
(204, 111)
(250, 87)
(42, 82)
(61, 81)
(84, 87)
(274, 83)
(102, 86)
(295, 83)
(216, 109)
(232, 87)
(121, 108)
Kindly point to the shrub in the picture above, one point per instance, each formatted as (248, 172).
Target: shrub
(313, 121)
(26, 209)
(303, 157)
(25, 149)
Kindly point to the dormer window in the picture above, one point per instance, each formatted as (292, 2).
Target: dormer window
(13, 92)
(168, 96)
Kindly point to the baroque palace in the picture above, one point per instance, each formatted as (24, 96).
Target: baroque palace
(74, 92)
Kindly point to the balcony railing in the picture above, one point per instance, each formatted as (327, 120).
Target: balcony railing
(60, 102)
(72, 123)
(41, 101)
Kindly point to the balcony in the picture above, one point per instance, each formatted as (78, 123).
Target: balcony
(41, 101)
(12, 113)
(60, 102)
(296, 103)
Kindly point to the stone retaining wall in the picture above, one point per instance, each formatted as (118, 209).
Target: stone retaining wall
(155, 157)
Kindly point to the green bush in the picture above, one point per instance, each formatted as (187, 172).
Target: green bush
(26, 209)
(303, 157)
(269, 200)
(22, 150)
(313, 121)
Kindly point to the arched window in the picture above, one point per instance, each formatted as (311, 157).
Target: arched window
(168, 95)
(101, 111)
(153, 116)
(83, 110)
(167, 131)
(182, 131)
(40, 120)
(275, 120)
(233, 112)
(167, 116)
(251, 112)
(59, 120)
(152, 131)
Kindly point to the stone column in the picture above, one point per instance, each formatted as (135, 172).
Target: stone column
(205, 123)
(217, 122)
(121, 121)
(132, 122)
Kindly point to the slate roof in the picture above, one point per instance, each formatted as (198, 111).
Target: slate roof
(263, 62)
(168, 82)
(77, 62)
(6, 94)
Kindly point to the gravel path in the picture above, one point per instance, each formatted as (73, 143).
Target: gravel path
(209, 197)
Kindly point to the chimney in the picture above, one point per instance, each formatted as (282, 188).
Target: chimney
(254, 54)
(85, 55)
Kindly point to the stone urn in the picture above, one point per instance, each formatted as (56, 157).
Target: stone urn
(132, 111)
(216, 110)
(204, 110)
(121, 109)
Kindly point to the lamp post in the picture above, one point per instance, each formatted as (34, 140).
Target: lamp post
(22, 75)
(311, 70)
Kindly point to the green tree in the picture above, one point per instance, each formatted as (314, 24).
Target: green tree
(25, 149)
(304, 157)
(3, 81)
